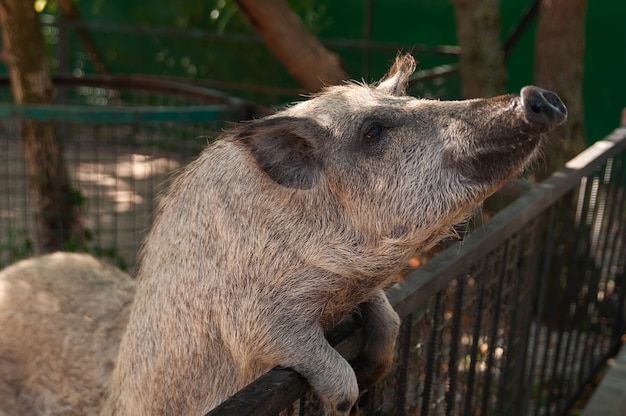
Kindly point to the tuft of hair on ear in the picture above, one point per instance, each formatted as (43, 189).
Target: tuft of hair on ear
(397, 79)
(285, 148)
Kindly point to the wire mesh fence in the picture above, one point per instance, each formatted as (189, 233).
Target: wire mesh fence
(122, 139)
(514, 320)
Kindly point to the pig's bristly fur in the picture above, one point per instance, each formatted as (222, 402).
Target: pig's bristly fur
(267, 240)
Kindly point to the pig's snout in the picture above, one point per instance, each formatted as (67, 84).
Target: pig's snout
(543, 106)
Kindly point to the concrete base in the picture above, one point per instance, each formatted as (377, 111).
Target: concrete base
(609, 398)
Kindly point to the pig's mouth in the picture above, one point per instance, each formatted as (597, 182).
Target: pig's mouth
(512, 142)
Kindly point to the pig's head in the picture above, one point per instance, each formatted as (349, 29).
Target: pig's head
(401, 168)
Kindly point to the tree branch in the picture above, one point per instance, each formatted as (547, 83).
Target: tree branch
(304, 57)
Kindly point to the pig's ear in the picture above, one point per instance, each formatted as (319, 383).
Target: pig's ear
(397, 79)
(286, 148)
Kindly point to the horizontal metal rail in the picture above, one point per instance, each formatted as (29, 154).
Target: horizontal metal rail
(118, 115)
(204, 104)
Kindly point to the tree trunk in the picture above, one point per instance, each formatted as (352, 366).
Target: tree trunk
(305, 58)
(559, 52)
(56, 214)
(483, 70)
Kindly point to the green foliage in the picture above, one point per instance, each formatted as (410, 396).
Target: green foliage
(88, 246)
(19, 246)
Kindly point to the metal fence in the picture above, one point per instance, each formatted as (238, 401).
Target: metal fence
(122, 138)
(514, 320)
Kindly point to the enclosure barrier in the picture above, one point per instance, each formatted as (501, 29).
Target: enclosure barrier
(123, 136)
(514, 320)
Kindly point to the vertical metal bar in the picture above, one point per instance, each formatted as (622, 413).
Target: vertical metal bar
(592, 355)
(301, 406)
(611, 220)
(476, 335)
(404, 352)
(528, 260)
(433, 346)
(515, 353)
(620, 278)
(619, 326)
(603, 224)
(616, 242)
(616, 252)
(493, 336)
(540, 271)
(570, 326)
(454, 348)
(545, 274)
(560, 319)
(589, 304)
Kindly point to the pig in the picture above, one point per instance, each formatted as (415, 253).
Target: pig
(289, 223)
(62, 316)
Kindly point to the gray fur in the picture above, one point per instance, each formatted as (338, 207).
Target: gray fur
(61, 318)
(290, 222)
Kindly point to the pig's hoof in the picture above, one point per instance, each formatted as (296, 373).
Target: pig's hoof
(343, 407)
(320, 407)
(370, 368)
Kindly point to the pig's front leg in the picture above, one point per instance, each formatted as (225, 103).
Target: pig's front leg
(381, 325)
(329, 374)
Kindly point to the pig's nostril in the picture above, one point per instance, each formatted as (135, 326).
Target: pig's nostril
(555, 101)
(551, 98)
(542, 106)
(535, 107)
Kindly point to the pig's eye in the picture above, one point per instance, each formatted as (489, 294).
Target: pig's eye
(374, 132)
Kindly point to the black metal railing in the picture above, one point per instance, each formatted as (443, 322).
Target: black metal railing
(514, 320)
